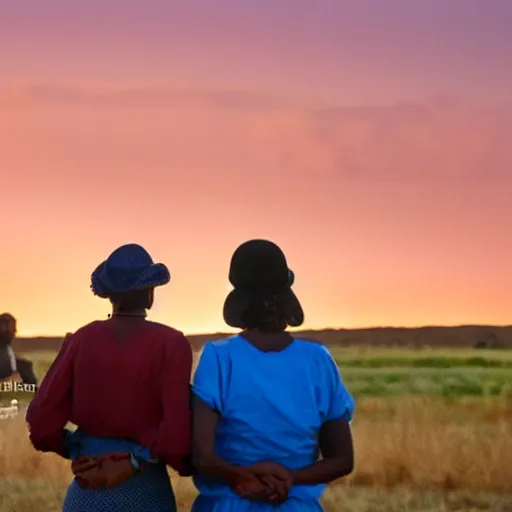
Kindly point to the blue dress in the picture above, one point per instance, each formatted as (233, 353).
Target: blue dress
(150, 491)
(271, 407)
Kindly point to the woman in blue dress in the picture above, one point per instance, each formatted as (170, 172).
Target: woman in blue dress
(266, 405)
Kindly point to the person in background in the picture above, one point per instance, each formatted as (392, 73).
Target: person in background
(7, 358)
(124, 382)
(10, 365)
(265, 405)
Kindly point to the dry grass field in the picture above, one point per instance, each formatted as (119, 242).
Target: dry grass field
(433, 433)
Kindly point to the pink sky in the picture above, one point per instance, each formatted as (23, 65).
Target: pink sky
(372, 144)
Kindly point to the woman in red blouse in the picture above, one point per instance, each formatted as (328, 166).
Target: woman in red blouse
(124, 382)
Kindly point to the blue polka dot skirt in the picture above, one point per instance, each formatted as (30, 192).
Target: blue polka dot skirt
(150, 491)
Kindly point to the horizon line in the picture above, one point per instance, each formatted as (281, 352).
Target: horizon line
(317, 329)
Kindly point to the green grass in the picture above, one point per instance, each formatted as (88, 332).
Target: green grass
(448, 383)
(424, 362)
(448, 373)
(452, 374)
(343, 354)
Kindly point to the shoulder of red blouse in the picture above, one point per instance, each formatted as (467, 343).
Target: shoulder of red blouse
(172, 442)
(50, 408)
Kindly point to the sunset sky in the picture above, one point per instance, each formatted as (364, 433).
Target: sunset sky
(370, 139)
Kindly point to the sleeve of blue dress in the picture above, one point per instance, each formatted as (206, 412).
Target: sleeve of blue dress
(207, 381)
(336, 401)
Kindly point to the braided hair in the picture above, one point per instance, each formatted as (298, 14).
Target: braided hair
(266, 312)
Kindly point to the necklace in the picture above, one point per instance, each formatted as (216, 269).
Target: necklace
(134, 314)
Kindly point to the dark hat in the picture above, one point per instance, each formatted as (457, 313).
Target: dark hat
(128, 268)
(259, 267)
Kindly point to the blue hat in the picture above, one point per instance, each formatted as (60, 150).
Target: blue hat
(128, 268)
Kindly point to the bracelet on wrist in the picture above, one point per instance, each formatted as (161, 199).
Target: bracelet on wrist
(134, 462)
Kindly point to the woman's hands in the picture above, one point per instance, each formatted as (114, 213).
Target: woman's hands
(103, 471)
(264, 481)
(247, 485)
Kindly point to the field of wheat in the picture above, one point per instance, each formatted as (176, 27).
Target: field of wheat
(432, 431)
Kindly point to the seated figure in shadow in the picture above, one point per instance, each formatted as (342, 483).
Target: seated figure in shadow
(12, 367)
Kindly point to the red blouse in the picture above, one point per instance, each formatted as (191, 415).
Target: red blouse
(132, 385)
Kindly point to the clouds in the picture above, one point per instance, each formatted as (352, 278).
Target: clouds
(19, 95)
(379, 207)
(426, 142)
(441, 140)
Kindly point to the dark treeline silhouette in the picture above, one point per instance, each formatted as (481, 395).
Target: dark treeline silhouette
(465, 336)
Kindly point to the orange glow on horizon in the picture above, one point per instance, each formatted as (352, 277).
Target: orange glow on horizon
(373, 145)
